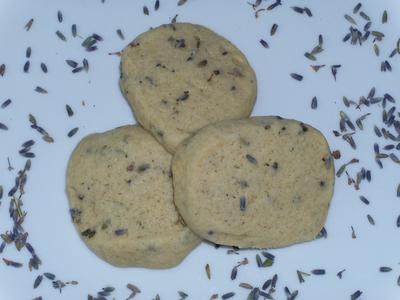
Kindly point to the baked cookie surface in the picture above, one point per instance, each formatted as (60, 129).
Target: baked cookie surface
(180, 77)
(262, 182)
(120, 193)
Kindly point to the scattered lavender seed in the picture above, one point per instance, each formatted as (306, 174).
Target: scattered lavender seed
(257, 12)
(334, 69)
(28, 25)
(317, 67)
(71, 63)
(384, 17)
(383, 67)
(28, 143)
(43, 67)
(120, 34)
(264, 43)
(228, 295)
(365, 16)
(97, 37)
(61, 36)
(40, 90)
(85, 64)
(318, 272)
(28, 154)
(322, 234)
(314, 103)
(246, 286)
(89, 41)
(274, 28)
(181, 2)
(28, 52)
(340, 273)
(49, 276)
(268, 255)
(308, 12)
(77, 70)
(72, 132)
(370, 220)
(59, 16)
(3, 126)
(74, 30)
(316, 50)
(364, 200)
(296, 76)
(393, 53)
(234, 272)
(12, 263)
(26, 66)
(389, 147)
(355, 295)
(357, 8)
(353, 233)
(377, 131)
(208, 272)
(310, 56)
(157, 5)
(145, 10)
(266, 284)
(388, 66)
(259, 261)
(2, 69)
(37, 282)
(173, 21)
(376, 49)
(298, 9)
(6, 103)
(394, 158)
(350, 19)
(69, 110)
(274, 280)
(91, 49)
(274, 5)
(133, 288)
(385, 269)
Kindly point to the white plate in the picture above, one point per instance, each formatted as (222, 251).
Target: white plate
(48, 222)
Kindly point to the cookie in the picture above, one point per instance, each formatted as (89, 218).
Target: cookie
(120, 193)
(180, 77)
(262, 182)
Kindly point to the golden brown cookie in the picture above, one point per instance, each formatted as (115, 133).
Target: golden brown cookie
(262, 182)
(180, 77)
(120, 193)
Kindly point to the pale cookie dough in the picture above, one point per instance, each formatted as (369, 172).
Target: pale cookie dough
(120, 193)
(180, 77)
(262, 182)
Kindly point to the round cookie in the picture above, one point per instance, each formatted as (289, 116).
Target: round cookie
(180, 77)
(262, 182)
(120, 193)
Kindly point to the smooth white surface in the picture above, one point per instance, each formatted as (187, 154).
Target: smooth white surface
(48, 222)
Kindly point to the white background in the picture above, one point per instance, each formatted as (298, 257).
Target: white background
(48, 222)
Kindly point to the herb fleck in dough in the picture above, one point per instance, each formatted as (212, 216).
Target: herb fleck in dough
(180, 77)
(270, 191)
(119, 187)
